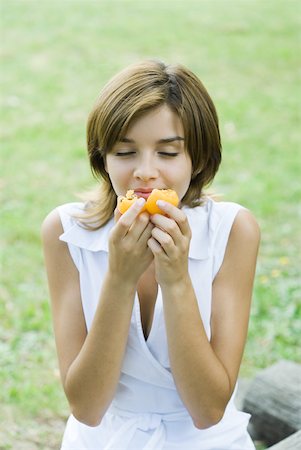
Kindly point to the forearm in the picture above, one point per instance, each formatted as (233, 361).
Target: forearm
(92, 378)
(201, 379)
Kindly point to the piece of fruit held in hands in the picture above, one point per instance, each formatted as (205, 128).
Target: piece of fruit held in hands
(167, 195)
(125, 202)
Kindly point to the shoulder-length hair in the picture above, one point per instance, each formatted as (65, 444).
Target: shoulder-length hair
(134, 91)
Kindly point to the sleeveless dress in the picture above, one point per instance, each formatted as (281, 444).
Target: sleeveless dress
(147, 412)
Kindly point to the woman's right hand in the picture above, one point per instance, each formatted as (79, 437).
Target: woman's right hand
(129, 254)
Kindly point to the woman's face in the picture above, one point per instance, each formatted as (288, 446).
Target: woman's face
(151, 155)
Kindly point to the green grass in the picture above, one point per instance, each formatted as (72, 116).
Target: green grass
(56, 57)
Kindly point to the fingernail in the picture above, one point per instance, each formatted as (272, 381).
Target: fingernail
(161, 203)
(140, 202)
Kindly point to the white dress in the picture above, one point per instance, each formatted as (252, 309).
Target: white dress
(147, 412)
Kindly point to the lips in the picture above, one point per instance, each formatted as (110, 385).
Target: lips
(144, 193)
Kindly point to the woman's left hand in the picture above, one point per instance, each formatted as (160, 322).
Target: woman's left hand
(170, 244)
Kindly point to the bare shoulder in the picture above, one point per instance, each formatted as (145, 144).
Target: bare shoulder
(245, 229)
(56, 252)
(51, 227)
(242, 247)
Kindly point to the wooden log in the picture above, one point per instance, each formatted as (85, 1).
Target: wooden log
(291, 443)
(274, 401)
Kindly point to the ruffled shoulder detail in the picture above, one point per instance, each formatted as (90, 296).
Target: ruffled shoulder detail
(198, 219)
(76, 235)
(222, 217)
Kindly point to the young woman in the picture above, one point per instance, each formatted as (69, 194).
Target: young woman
(151, 311)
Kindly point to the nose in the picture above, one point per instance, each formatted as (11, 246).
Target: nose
(146, 168)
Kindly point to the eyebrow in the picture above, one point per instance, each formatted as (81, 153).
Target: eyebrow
(161, 141)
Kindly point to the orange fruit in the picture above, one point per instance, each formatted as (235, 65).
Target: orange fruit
(125, 202)
(168, 195)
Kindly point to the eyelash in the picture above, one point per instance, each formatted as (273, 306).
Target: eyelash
(168, 154)
(165, 154)
(124, 153)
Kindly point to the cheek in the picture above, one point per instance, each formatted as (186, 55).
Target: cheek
(119, 176)
(105, 164)
(184, 179)
(114, 168)
(183, 189)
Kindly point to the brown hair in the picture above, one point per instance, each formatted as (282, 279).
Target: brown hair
(137, 89)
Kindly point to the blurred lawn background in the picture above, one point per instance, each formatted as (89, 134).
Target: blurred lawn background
(56, 57)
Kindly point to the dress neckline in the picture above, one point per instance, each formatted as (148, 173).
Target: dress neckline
(154, 325)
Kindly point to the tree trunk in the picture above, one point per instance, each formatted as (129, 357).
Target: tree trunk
(291, 443)
(274, 401)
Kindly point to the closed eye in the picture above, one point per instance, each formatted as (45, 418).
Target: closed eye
(167, 154)
(125, 153)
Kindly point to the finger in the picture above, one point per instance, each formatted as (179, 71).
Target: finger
(168, 225)
(128, 218)
(155, 247)
(138, 227)
(146, 234)
(164, 240)
(117, 215)
(177, 214)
